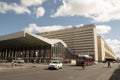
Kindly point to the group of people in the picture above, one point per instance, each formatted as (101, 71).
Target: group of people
(83, 64)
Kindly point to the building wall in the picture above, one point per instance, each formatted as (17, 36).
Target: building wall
(101, 49)
(104, 51)
(80, 40)
(95, 44)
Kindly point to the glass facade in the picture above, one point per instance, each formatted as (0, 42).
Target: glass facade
(36, 53)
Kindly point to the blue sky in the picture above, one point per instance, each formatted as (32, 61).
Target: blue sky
(46, 15)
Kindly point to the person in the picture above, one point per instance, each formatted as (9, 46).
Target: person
(12, 63)
(109, 64)
(83, 65)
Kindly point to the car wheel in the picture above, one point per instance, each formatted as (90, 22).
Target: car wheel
(60, 67)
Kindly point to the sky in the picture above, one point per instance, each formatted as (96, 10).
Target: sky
(38, 16)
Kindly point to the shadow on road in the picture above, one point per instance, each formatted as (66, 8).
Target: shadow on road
(73, 65)
(50, 69)
(116, 74)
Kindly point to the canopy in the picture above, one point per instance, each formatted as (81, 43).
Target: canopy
(24, 39)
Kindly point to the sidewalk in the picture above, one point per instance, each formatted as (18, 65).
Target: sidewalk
(116, 74)
(8, 66)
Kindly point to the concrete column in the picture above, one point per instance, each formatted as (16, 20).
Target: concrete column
(12, 52)
(1, 53)
(16, 53)
(5, 53)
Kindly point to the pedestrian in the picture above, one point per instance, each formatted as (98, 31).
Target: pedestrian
(12, 63)
(109, 66)
(83, 65)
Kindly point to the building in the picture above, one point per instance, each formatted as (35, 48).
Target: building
(31, 47)
(80, 40)
(83, 41)
(104, 51)
(60, 44)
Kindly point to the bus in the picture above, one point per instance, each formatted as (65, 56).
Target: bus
(87, 61)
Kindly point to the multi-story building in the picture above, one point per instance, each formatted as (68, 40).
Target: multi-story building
(60, 44)
(104, 50)
(83, 41)
(80, 40)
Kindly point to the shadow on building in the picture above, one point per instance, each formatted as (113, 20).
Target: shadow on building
(116, 74)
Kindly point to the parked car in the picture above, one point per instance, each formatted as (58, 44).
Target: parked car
(95, 62)
(18, 60)
(55, 65)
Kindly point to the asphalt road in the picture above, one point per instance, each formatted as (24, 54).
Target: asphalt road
(95, 72)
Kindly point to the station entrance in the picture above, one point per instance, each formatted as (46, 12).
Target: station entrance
(31, 48)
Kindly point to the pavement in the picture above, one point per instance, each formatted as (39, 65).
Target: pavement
(116, 74)
(69, 72)
(9, 66)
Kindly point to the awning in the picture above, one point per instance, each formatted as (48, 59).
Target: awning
(24, 39)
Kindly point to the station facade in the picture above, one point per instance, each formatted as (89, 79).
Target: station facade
(61, 44)
(31, 47)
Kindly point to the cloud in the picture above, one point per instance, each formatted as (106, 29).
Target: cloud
(33, 28)
(40, 12)
(102, 29)
(115, 45)
(39, 29)
(98, 10)
(4, 8)
(23, 7)
(29, 3)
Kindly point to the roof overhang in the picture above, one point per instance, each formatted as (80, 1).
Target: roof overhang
(24, 39)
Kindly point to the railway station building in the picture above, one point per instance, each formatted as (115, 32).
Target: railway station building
(62, 44)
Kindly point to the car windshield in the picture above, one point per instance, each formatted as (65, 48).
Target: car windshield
(55, 62)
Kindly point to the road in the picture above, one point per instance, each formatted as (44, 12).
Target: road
(95, 72)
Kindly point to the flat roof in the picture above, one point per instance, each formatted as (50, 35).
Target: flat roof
(69, 28)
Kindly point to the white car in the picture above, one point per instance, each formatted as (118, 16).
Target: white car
(55, 65)
(95, 62)
(18, 60)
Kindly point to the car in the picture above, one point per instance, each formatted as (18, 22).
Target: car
(55, 65)
(95, 62)
(18, 60)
